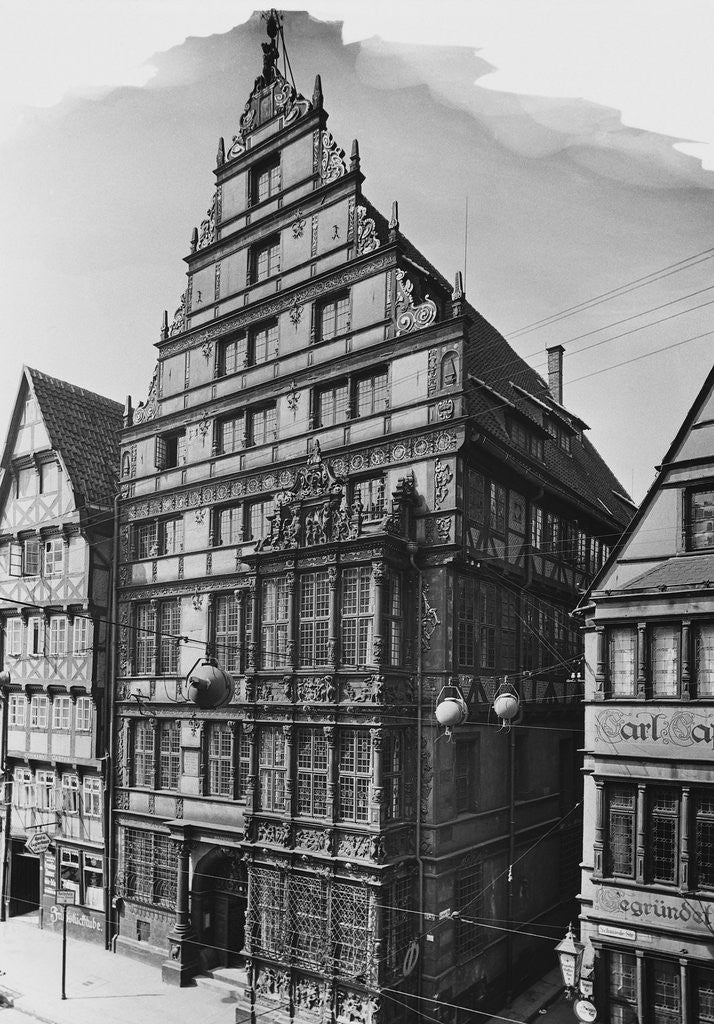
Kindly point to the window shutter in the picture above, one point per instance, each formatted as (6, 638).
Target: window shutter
(160, 453)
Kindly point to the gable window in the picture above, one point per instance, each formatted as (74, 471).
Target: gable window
(700, 520)
(371, 393)
(232, 355)
(170, 450)
(369, 492)
(332, 405)
(263, 343)
(274, 622)
(143, 753)
(49, 477)
(13, 633)
(333, 317)
(92, 802)
(272, 767)
(265, 180)
(256, 519)
(622, 645)
(664, 660)
(81, 635)
(230, 434)
(39, 708)
(265, 260)
(54, 556)
(169, 754)
(261, 425)
(35, 636)
(17, 712)
(70, 794)
(354, 773)
(357, 615)
(227, 639)
(314, 619)
(228, 526)
(83, 714)
(27, 481)
(58, 635)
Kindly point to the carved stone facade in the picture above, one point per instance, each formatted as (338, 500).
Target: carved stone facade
(313, 504)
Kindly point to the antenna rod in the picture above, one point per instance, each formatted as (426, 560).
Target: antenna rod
(286, 55)
(466, 237)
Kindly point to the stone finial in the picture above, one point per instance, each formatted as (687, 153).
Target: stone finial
(164, 333)
(457, 296)
(221, 154)
(194, 240)
(354, 156)
(317, 98)
(394, 222)
(128, 412)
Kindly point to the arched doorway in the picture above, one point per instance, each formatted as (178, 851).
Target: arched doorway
(219, 898)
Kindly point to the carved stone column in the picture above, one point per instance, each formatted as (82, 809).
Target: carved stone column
(378, 642)
(249, 733)
(641, 660)
(600, 664)
(684, 841)
(333, 647)
(329, 731)
(686, 666)
(239, 596)
(289, 770)
(291, 644)
(182, 964)
(377, 808)
(599, 843)
(640, 856)
(254, 598)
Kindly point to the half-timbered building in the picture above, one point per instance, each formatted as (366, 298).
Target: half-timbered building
(59, 476)
(346, 491)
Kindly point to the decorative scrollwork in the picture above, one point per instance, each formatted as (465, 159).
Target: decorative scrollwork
(367, 238)
(147, 410)
(179, 321)
(207, 232)
(332, 163)
(443, 476)
(409, 315)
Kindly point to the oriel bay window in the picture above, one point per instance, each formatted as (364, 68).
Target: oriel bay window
(674, 825)
(660, 661)
(354, 774)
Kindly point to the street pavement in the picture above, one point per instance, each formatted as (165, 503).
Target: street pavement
(102, 987)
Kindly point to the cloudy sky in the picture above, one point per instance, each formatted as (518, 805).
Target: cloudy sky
(581, 133)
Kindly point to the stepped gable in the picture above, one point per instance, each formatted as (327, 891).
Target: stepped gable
(84, 427)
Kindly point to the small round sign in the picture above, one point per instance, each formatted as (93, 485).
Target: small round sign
(410, 957)
(585, 1011)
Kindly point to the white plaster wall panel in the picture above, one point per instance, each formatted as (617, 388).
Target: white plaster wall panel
(408, 375)
(234, 197)
(296, 161)
(367, 301)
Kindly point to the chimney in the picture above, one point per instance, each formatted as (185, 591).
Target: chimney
(555, 372)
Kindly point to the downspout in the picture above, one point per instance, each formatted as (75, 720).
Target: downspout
(109, 756)
(7, 806)
(420, 691)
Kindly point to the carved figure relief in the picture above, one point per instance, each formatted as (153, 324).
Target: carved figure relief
(443, 477)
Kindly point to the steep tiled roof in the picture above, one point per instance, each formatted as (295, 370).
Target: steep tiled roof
(582, 474)
(688, 571)
(84, 428)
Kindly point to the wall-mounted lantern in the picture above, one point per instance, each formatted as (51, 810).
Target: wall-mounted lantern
(570, 954)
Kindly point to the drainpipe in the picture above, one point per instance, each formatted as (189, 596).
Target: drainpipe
(413, 548)
(109, 757)
(7, 806)
(511, 858)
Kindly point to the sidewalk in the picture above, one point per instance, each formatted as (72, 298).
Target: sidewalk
(531, 1004)
(101, 987)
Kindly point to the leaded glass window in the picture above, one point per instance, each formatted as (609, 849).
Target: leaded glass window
(169, 754)
(314, 619)
(469, 895)
(272, 767)
(372, 394)
(664, 648)
(357, 616)
(393, 774)
(622, 648)
(220, 759)
(309, 916)
(261, 425)
(145, 639)
(228, 641)
(143, 759)
(274, 622)
(332, 405)
(312, 772)
(704, 838)
(663, 823)
(665, 992)
(393, 617)
(355, 772)
(704, 659)
(263, 342)
(622, 987)
(169, 627)
(621, 830)
(700, 531)
(703, 986)
(334, 317)
(466, 621)
(350, 929)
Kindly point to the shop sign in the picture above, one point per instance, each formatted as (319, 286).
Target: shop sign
(634, 731)
(50, 867)
(79, 920)
(674, 913)
(616, 933)
(38, 842)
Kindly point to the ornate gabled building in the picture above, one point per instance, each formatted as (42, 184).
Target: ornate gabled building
(59, 477)
(647, 897)
(347, 492)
